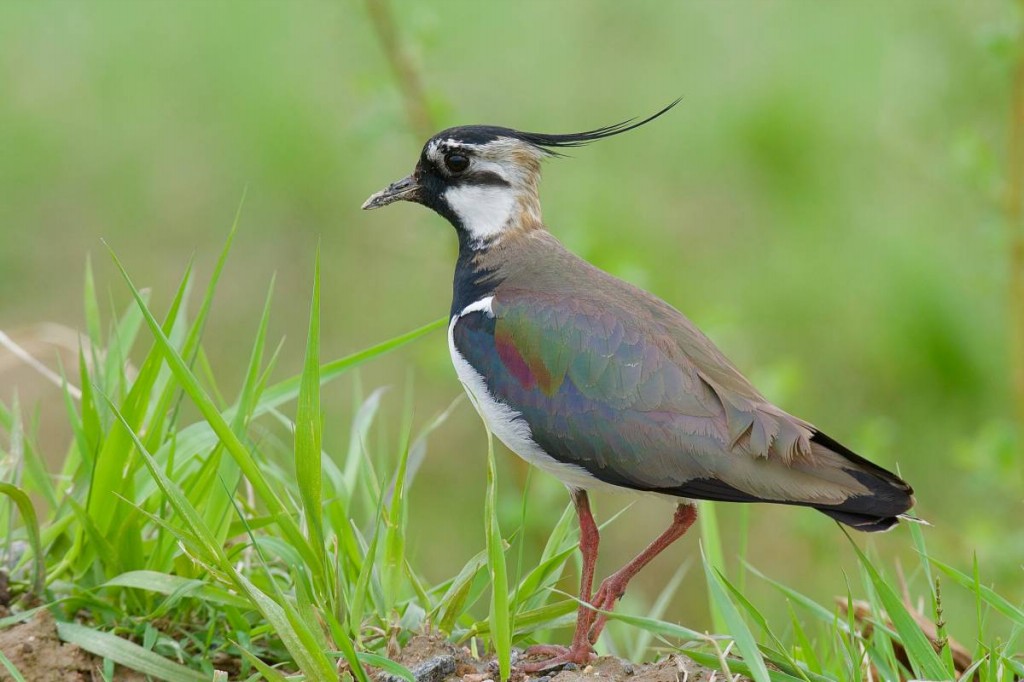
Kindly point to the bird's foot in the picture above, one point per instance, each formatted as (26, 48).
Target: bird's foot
(610, 591)
(554, 656)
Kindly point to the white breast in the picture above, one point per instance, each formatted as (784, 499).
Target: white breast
(504, 422)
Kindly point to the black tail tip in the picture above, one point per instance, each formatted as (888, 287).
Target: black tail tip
(863, 522)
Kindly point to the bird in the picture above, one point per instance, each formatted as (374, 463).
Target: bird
(602, 384)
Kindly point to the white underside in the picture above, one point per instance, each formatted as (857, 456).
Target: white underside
(507, 424)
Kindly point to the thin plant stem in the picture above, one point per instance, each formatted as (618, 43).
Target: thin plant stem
(408, 77)
(1014, 210)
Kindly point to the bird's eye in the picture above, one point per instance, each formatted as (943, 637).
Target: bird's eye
(456, 163)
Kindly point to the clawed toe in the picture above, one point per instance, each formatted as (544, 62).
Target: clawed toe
(555, 656)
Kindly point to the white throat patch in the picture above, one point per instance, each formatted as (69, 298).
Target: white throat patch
(483, 210)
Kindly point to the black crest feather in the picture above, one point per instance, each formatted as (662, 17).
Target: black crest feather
(551, 142)
(482, 134)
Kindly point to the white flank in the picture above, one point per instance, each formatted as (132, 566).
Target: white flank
(484, 211)
(504, 422)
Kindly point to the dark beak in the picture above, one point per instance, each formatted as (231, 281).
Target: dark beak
(406, 189)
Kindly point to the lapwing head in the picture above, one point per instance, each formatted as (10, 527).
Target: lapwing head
(484, 179)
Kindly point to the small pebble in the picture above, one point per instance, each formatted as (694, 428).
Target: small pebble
(628, 669)
(436, 669)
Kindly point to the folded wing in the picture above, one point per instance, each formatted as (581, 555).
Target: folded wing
(641, 399)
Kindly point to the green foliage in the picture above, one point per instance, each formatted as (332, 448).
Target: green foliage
(834, 224)
(153, 536)
(289, 559)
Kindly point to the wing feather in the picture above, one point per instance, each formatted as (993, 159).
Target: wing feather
(615, 381)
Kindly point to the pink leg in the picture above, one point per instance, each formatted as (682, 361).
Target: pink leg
(580, 652)
(614, 586)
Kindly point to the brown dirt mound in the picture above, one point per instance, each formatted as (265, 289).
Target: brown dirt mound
(39, 655)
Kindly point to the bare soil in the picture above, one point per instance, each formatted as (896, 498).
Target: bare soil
(431, 658)
(34, 648)
(39, 655)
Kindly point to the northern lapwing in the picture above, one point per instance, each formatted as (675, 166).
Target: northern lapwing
(603, 384)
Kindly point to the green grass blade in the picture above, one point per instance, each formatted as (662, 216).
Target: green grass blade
(923, 659)
(393, 566)
(547, 617)
(211, 550)
(762, 623)
(114, 466)
(711, 541)
(387, 665)
(737, 627)
(541, 577)
(500, 614)
(217, 512)
(657, 610)
(917, 534)
(11, 669)
(453, 603)
(301, 643)
(268, 673)
(31, 523)
(128, 654)
(345, 643)
(93, 324)
(817, 610)
(735, 666)
(987, 594)
(191, 345)
(36, 476)
(308, 434)
(92, 429)
(251, 385)
(360, 429)
(802, 643)
(165, 583)
(197, 436)
(303, 639)
(364, 581)
(287, 390)
(658, 627)
(221, 427)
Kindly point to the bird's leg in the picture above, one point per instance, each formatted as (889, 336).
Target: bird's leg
(614, 586)
(580, 651)
(589, 540)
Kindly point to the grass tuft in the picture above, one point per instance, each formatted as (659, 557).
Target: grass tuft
(189, 522)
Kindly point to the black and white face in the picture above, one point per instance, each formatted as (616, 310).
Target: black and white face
(483, 179)
(475, 177)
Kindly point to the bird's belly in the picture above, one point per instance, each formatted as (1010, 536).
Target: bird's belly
(509, 426)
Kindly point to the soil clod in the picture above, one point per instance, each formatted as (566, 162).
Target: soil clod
(431, 658)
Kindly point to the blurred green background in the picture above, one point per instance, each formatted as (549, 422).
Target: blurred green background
(825, 203)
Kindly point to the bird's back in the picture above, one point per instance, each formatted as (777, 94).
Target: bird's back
(614, 381)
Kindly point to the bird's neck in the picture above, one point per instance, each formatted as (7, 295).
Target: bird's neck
(487, 214)
(485, 227)
(473, 279)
